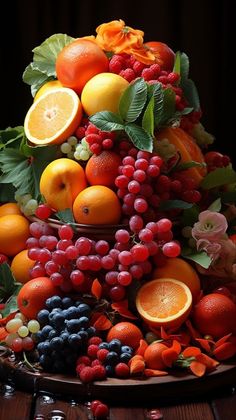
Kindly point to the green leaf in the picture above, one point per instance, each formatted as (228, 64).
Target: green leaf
(133, 100)
(184, 66)
(190, 216)
(139, 137)
(65, 216)
(34, 77)
(177, 63)
(11, 306)
(191, 94)
(148, 117)
(107, 121)
(215, 206)
(7, 281)
(158, 102)
(200, 258)
(219, 177)
(174, 204)
(11, 135)
(191, 164)
(168, 109)
(7, 193)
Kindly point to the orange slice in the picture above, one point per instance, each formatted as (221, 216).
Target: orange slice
(53, 117)
(164, 302)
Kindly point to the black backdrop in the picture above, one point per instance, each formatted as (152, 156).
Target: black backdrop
(202, 29)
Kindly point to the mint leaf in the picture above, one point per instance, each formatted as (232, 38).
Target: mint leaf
(168, 108)
(148, 117)
(219, 177)
(158, 102)
(215, 206)
(174, 204)
(139, 137)
(11, 135)
(184, 66)
(200, 258)
(133, 100)
(177, 63)
(7, 282)
(107, 121)
(191, 164)
(65, 216)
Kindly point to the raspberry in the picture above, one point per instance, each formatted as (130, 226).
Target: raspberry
(92, 350)
(86, 374)
(128, 74)
(163, 79)
(173, 77)
(155, 68)
(138, 67)
(94, 405)
(93, 138)
(115, 65)
(80, 132)
(101, 411)
(147, 74)
(83, 359)
(95, 362)
(101, 354)
(99, 372)
(79, 368)
(95, 148)
(91, 129)
(122, 370)
(94, 340)
(107, 144)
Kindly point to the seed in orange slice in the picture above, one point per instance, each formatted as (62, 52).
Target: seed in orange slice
(164, 302)
(179, 269)
(53, 117)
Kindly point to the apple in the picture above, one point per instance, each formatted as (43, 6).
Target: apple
(163, 52)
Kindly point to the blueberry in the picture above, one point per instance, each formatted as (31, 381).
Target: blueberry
(115, 345)
(56, 343)
(42, 317)
(103, 345)
(78, 302)
(84, 310)
(38, 337)
(91, 331)
(127, 349)
(67, 302)
(46, 330)
(45, 361)
(71, 313)
(110, 371)
(55, 302)
(64, 336)
(84, 336)
(75, 341)
(112, 358)
(44, 348)
(58, 320)
(40, 347)
(73, 325)
(83, 322)
(52, 334)
(125, 357)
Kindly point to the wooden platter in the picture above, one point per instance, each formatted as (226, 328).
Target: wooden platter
(178, 384)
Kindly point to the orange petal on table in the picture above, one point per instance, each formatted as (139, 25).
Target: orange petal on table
(137, 366)
(141, 348)
(225, 351)
(222, 340)
(96, 289)
(191, 351)
(197, 368)
(154, 372)
(207, 360)
(169, 356)
(100, 321)
(205, 344)
(135, 357)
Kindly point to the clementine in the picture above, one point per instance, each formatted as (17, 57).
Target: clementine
(97, 205)
(21, 265)
(14, 231)
(164, 302)
(102, 169)
(188, 149)
(215, 314)
(53, 117)
(78, 62)
(179, 269)
(33, 295)
(153, 356)
(52, 84)
(103, 93)
(128, 333)
(9, 208)
(61, 182)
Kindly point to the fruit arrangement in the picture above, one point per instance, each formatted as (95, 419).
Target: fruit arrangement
(117, 222)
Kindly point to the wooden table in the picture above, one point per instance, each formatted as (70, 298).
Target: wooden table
(18, 405)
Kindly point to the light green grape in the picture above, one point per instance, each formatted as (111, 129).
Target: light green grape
(84, 155)
(66, 148)
(30, 207)
(72, 141)
(24, 199)
(13, 325)
(20, 316)
(33, 326)
(77, 156)
(23, 331)
(79, 148)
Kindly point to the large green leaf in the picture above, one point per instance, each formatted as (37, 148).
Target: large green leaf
(177, 63)
(168, 109)
(148, 117)
(200, 258)
(184, 66)
(158, 102)
(11, 135)
(191, 94)
(35, 78)
(133, 100)
(8, 284)
(174, 204)
(218, 178)
(107, 121)
(140, 138)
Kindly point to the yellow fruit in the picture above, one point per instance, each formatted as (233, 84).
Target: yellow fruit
(61, 182)
(53, 117)
(9, 208)
(103, 92)
(52, 84)
(14, 231)
(21, 265)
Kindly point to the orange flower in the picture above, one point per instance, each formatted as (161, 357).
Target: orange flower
(118, 38)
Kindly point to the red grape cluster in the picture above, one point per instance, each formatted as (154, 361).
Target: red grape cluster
(216, 160)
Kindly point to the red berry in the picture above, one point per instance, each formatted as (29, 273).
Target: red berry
(138, 67)
(99, 372)
(94, 405)
(83, 359)
(92, 350)
(122, 370)
(80, 132)
(101, 354)
(94, 340)
(43, 211)
(128, 74)
(95, 362)
(101, 411)
(79, 368)
(147, 74)
(86, 375)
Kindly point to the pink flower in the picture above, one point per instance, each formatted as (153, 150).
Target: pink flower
(213, 249)
(211, 226)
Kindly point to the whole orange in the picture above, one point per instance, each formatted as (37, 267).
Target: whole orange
(61, 182)
(128, 333)
(215, 314)
(14, 231)
(102, 169)
(179, 269)
(78, 62)
(21, 265)
(152, 356)
(9, 208)
(97, 205)
(33, 295)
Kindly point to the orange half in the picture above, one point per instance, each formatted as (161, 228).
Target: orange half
(164, 302)
(53, 117)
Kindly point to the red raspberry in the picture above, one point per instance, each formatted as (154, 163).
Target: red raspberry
(147, 74)
(80, 132)
(93, 138)
(155, 68)
(107, 144)
(122, 370)
(115, 65)
(79, 368)
(92, 350)
(91, 129)
(83, 359)
(101, 354)
(94, 340)
(173, 77)
(138, 67)
(86, 374)
(99, 372)
(95, 148)
(101, 411)
(128, 74)
(94, 405)
(3, 258)
(130, 61)
(95, 362)
(163, 79)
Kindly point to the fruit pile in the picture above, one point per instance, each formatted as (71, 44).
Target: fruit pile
(117, 222)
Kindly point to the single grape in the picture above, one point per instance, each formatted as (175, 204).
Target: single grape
(13, 325)
(33, 326)
(23, 331)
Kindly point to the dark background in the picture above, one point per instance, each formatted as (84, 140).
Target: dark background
(202, 29)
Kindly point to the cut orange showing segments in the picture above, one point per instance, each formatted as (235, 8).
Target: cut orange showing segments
(53, 117)
(164, 302)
